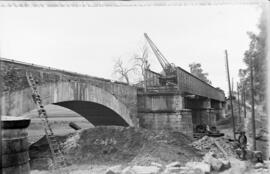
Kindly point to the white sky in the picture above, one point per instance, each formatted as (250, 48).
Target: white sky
(88, 40)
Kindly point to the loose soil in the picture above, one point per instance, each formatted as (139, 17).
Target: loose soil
(115, 145)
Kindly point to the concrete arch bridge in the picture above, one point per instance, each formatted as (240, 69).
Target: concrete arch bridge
(100, 101)
(177, 107)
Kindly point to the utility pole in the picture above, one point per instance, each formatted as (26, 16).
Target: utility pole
(239, 107)
(244, 102)
(233, 97)
(232, 86)
(230, 91)
(252, 104)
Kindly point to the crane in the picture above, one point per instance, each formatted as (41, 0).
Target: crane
(168, 68)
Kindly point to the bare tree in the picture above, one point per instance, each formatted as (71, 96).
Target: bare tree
(141, 61)
(123, 71)
(136, 69)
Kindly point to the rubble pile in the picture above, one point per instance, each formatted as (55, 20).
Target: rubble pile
(210, 144)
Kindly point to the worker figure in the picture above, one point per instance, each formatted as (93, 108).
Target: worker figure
(208, 129)
(242, 139)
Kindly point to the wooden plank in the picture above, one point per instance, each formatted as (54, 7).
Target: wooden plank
(220, 148)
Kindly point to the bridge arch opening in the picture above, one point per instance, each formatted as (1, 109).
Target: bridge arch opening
(83, 113)
(82, 98)
(59, 118)
(97, 114)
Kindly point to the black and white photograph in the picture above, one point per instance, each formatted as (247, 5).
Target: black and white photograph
(135, 87)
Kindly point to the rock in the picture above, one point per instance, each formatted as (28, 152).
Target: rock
(204, 167)
(207, 157)
(267, 164)
(266, 171)
(173, 167)
(174, 164)
(114, 170)
(156, 164)
(197, 171)
(238, 167)
(258, 166)
(215, 163)
(184, 168)
(258, 156)
(110, 172)
(226, 164)
(128, 170)
(145, 169)
(172, 170)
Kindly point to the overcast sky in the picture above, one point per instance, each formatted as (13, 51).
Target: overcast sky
(88, 40)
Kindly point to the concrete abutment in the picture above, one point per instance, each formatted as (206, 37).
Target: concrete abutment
(164, 110)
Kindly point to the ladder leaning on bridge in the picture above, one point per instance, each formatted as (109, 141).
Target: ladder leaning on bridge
(58, 157)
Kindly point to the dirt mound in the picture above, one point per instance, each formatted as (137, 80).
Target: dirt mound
(120, 145)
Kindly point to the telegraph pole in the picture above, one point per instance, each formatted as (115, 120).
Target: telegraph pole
(230, 91)
(239, 106)
(232, 86)
(252, 104)
(244, 102)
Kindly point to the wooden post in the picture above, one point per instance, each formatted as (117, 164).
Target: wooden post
(244, 102)
(252, 104)
(235, 118)
(239, 107)
(232, 86)
(230, 91)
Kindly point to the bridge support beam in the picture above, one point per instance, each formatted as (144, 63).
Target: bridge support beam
(202, 111)
(219, 108)
(158, 111)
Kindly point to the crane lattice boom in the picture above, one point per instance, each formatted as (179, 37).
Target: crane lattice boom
(166, 66)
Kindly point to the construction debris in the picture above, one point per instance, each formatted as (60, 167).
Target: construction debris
(221, 146)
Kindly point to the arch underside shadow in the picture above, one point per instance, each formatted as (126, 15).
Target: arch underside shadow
(98, 106)
(96, 114)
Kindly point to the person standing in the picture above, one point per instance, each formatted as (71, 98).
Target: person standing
(242, 139)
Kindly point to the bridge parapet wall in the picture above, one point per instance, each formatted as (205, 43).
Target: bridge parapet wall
(13, 79)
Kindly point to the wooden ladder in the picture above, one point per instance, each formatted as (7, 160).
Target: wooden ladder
(59, 161)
